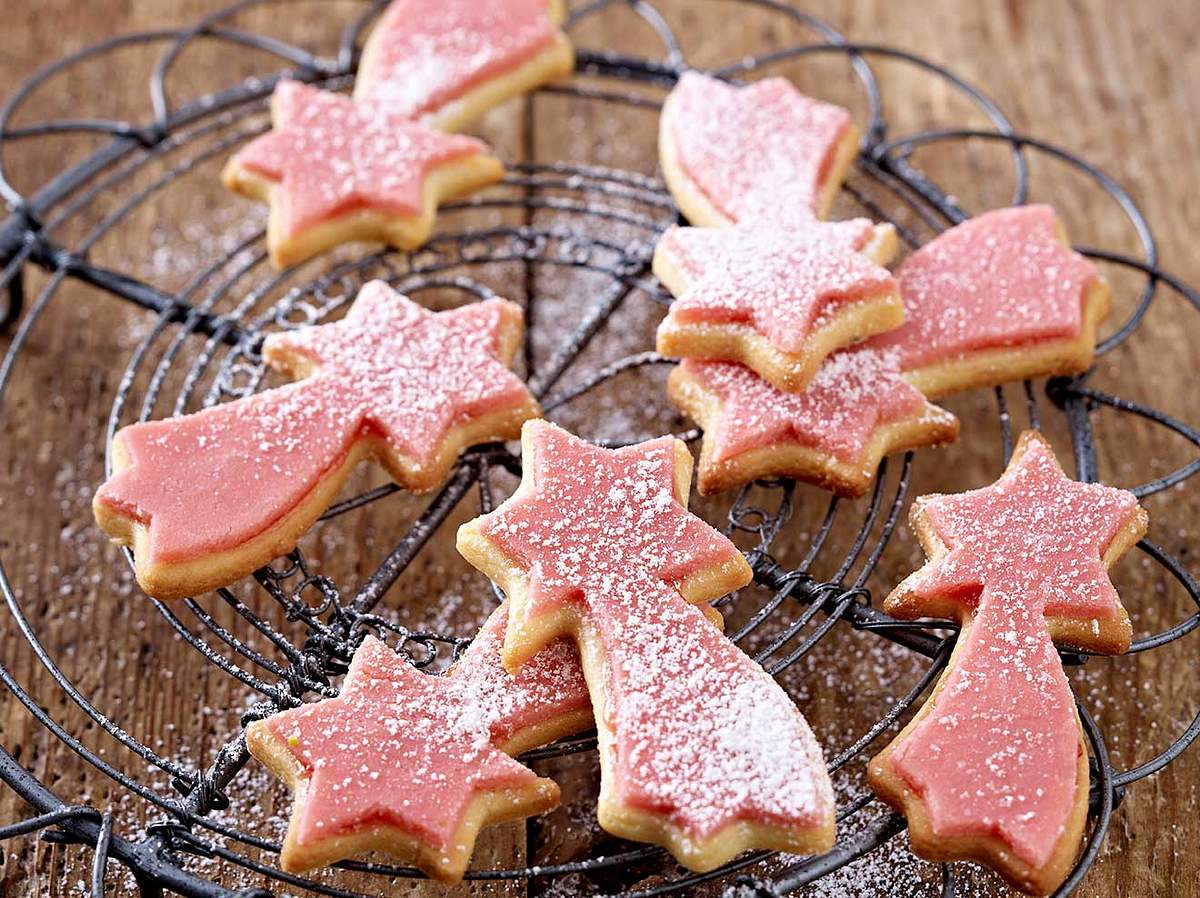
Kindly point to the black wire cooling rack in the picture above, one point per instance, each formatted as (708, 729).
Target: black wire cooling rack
(323, 624)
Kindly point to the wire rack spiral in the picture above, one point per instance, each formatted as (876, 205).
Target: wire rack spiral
(295, 629)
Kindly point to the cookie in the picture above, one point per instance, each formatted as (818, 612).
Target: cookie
(701, 751)
(777, 299)
(998, 298)
(832, 434)
(760, 153)
(415, 764)
(335, 171)
(446, 62)
(994, 767)
(207, 498)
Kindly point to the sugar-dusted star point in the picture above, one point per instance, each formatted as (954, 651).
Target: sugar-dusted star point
(334, 170)
(833, 433)
(777, 299)
(994, 766)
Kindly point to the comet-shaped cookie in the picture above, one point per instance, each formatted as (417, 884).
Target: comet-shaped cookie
(777, 299)
(1000, 297)
(446, 62)
(833, 433)
(334, 171)
(415, 764)
(760, 153)
(207, 498)
(700, 750)
(994, 767)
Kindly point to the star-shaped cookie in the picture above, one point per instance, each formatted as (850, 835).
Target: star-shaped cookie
(446, 62)
(700, 749)
(752, 154)
(1000, 297)
(415, 764)
(334, 170)
(994, 767)
(205, 499)
(777, 299)
(833, 433)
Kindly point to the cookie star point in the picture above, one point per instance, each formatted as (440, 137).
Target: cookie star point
(334, 170)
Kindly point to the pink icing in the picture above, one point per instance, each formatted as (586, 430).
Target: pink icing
(781, 282)
(757, 152)
(851, 396)
(411, 750)
(701, 734)
(1001, 279)
(331, 156)
(997, 754)
(424, 54)
(213, 480)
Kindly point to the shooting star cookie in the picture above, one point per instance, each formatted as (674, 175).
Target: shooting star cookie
(777, 299)
(334, 170)
(700, 749)
(446, 62)
(755, 154)
(414, 764)
(832, 434)
(994, 767)
(1000, 297)
(206, 498)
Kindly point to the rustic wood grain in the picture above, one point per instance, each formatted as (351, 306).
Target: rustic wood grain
(1114, 81)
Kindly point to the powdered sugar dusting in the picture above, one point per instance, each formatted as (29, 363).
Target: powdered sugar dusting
(1000, 279)
(997, 753)
(853, 393)
(391, 368)
(424, 54)
(702, 736)
(779, 281)
(758, 152)
(332, 155)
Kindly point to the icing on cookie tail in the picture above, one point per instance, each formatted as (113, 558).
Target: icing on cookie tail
(702, 752)
(446, 62)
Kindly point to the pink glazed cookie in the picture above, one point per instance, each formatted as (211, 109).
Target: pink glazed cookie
(414, 764)
(760, 153)
(207, 498)
(832, 434)
(994, 767)
(1000, 297)
(778, 299)
(446, 62)
(701, 751)
(335, 171)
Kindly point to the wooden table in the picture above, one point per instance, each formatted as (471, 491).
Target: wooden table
(1114, 81)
